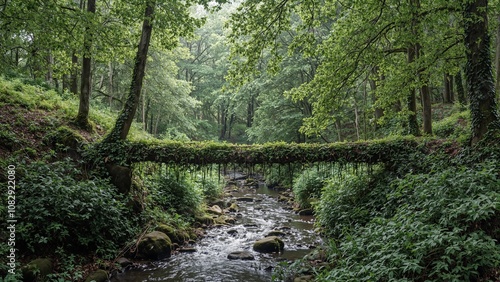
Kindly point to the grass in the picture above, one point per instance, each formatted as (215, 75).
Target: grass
(38, 109)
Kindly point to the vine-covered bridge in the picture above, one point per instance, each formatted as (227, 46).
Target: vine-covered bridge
(118, 157)
(205, 153)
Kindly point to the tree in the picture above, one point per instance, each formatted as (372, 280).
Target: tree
(360, 35)
(173, 20)
(82, 118)
(480, 85)
(32, 45)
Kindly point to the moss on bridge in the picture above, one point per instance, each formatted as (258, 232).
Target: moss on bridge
(204, 153)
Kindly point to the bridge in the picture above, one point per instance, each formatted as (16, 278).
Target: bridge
(388, 150)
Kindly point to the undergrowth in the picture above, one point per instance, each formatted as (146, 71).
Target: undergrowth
(440, 225)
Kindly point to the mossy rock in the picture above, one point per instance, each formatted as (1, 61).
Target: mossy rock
(221, 220)
(306, 212)
(155, 245)
(271, 244)
(178, 236)
(233, 207)
(276, 233)
(37, 269)
(121, 177)
(64, 136)
(215, 209)
(204, 219)
(98, 276)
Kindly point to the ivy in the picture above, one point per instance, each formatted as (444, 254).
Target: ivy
(387, 151)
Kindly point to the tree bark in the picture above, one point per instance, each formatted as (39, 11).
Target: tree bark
(250, 111)
(480, 85)
(110, 85)
(74, 74)
(462, 99)
(423, 78)
(447, 89)
(413, 53)
(497, 59)
(427, 110)
(124, 121)
(373, 87)
(82, 118)
(49, 76)
(413, 127)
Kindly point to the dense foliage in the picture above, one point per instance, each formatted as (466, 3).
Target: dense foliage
(308, 185)
(59, 210)
(400, 208)
(174, 193)
(437, 226)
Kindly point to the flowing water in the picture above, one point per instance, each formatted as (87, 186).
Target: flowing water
(254, 220)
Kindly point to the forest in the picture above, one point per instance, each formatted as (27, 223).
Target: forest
(119, 119)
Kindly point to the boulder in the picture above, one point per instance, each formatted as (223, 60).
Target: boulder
(276, 233)
(121, 177)
(251, 182)
(244, 199)
(176, 235)
(230, 220)
(270, 244)
(37, 269)
(215, 209)
(155, 245)
(242, 255)
(187, 250)
(306, 212)
(232, 232)
(233, 208)
(124, 262)
(219, 202)
(98, 276)
(204, 219)
(283, 198)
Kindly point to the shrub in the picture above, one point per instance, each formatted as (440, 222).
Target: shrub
(308, 185)
(174, 192)
(59, 210)
(453, 126)
(208, 183)
(281, 175)
(441, 226)
(350, 201)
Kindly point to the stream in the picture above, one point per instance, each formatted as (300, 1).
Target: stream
(259, 213)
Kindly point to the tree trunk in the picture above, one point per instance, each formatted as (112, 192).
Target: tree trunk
(413, 127)
(65, 82)
(497, 59)
(82, 118)
(338, 127)
(110, 85)
(373, 87)
(150, 129)
(427, 110)
(124, 121)
(356, 120)
(462, 99)
(447, 89)
(223, 123)
(413, 53)
(74, 74)
(49, 76)
(480, 85)
(250, 111)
